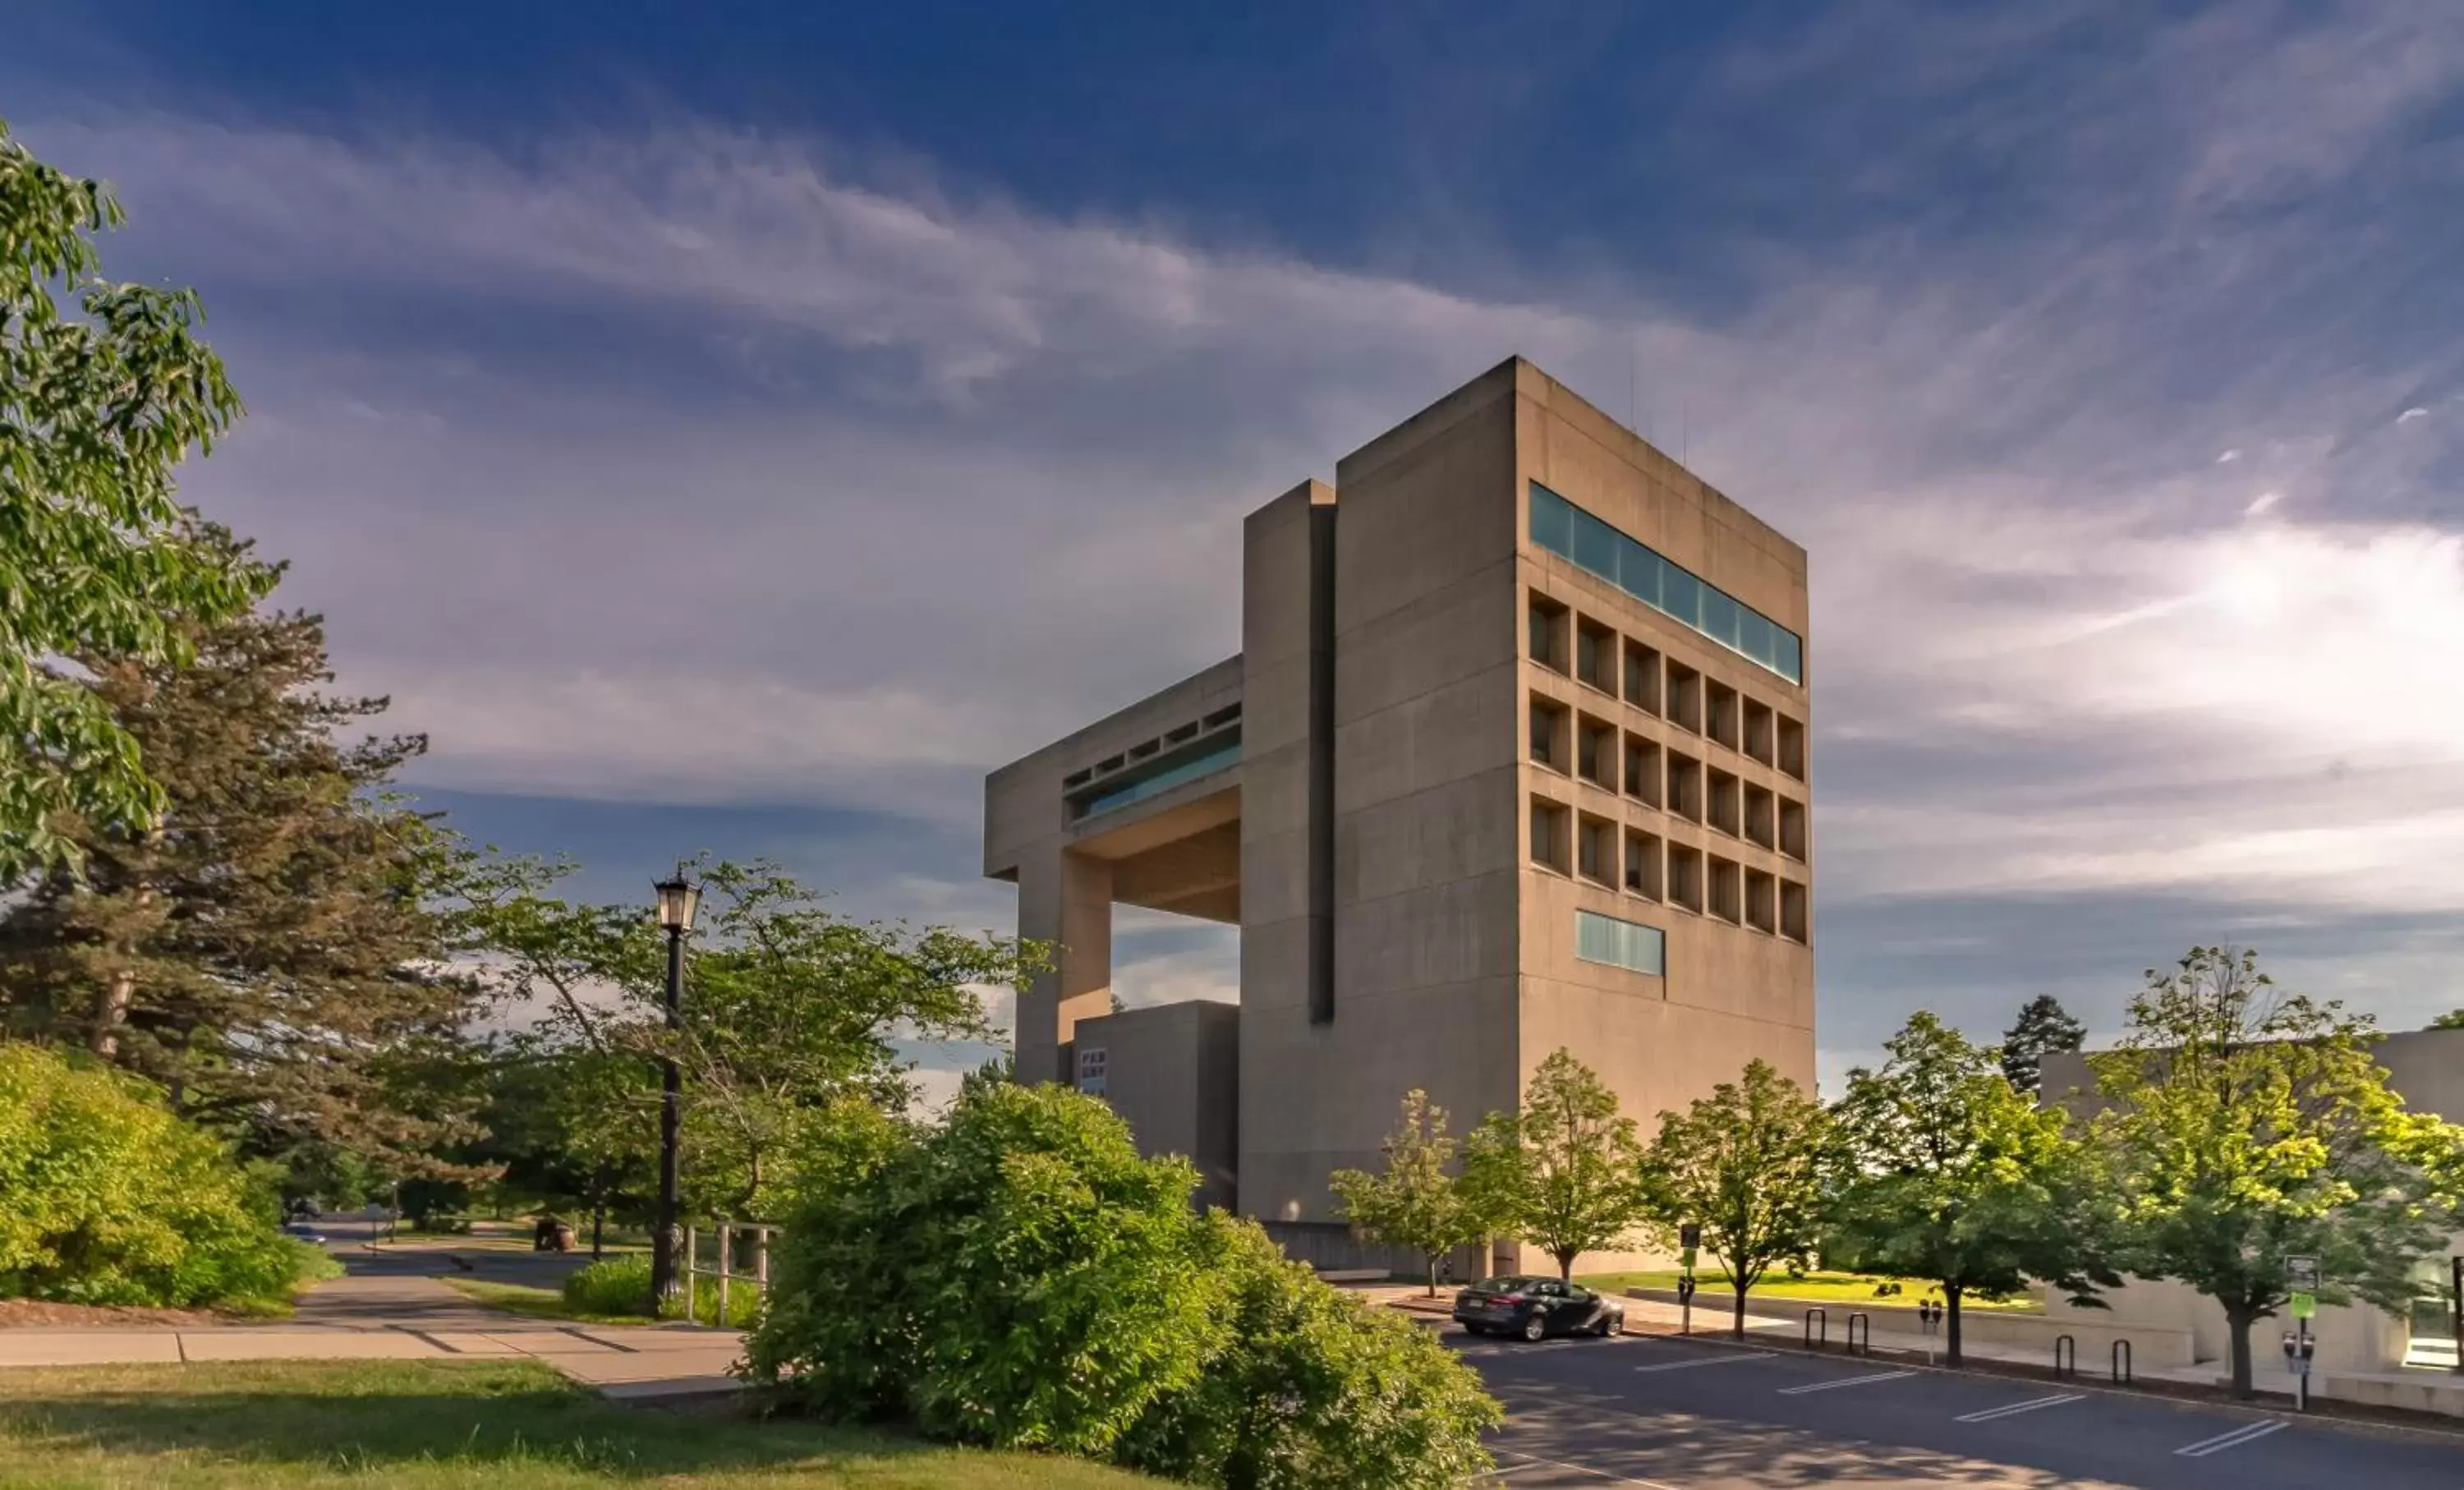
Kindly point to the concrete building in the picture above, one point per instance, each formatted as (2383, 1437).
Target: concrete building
(2361, 1351)
(1512, 758)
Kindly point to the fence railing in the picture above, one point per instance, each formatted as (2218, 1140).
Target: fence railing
(729, 1246)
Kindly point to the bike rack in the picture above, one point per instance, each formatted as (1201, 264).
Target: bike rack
(2121, 1362)
(2065, 1357)
(1860, 1345)
(1822, 1341)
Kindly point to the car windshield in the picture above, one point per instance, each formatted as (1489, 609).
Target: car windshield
(1510, 1284)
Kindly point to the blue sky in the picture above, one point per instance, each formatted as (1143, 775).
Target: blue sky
(634, 385)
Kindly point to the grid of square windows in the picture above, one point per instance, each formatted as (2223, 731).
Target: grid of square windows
(1705, 783)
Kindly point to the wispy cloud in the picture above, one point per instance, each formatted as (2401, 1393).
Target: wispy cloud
(707, 462)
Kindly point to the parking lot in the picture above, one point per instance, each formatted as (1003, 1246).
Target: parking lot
(1697, 1415)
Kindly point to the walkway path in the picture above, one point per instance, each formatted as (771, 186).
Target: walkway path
(392, 1305)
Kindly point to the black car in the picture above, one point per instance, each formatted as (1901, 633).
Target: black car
(1537, 1307)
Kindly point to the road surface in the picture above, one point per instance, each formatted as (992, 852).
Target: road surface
(1693, 1415)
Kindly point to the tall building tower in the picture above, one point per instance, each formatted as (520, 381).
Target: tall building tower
(1514, 758)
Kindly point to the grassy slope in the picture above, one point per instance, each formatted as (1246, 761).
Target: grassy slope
(427, 1425)
(534, 1303)
(1714, 1289)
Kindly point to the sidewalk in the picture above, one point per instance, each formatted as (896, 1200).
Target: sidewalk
(391, 1308)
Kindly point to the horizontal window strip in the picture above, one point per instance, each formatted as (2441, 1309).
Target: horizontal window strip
(1591, 544)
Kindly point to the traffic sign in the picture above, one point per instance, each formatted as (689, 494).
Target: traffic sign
(2305, 1305)
(2302, 1274)
(1690, 1236)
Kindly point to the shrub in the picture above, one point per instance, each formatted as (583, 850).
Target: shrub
(1019, 1275)
(610, 1285)
(112, 1199)
(1307, 1389)
(621, 1286)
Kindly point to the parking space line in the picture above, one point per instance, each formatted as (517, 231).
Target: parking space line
(1706, 1360)
(2247, 1432)
(2015, 1409)
(1579, 1469)
(1851, 1381)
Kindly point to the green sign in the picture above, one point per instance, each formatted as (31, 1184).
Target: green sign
(1688, 1259)
(2305, 1305)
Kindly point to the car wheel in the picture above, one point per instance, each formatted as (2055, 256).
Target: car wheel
(1611, 1325)
(1535, 1326)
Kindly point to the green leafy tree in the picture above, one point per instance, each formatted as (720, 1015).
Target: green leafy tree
(1751, 1165)
(1563, 1173)
(111, 1199)
(104, 389)
(2043, 1028)
(786, 1006)
(270, 948)
(573, 1127)
(2247, 1126)
(1413, 1202)
(2454, 1021)
(1956, 1177)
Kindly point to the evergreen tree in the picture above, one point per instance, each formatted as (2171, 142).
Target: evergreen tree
(2044, 1026)
(265, 946)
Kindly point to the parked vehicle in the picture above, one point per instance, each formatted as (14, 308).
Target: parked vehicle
(1537, 1307)
(304, 1232)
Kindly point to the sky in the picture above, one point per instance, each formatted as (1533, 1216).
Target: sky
(738, 425)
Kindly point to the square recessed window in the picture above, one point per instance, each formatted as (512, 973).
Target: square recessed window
(1552, 826)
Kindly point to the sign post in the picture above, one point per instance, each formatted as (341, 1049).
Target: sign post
(2301, 1279)
(2456, 1308)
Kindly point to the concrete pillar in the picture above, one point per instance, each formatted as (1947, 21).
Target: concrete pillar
(1065, 901)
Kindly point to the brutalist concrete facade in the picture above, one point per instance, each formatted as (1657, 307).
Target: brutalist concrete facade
(1513, 756)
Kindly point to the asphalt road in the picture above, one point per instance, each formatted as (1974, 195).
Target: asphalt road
(1682, 1414)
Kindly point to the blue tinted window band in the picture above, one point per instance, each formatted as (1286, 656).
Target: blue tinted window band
(1164, 773)
(1622, 944)
(1592, 546)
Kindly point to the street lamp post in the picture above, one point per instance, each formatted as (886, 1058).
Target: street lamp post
(678, 897)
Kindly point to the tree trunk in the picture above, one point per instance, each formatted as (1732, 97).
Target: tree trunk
(1566, 1266)
(118, 994)
(598, 1228)
(2237, 1322)
(1950, 1324)
(1738, 1327)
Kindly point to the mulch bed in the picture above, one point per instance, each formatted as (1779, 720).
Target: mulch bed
(41, 1314)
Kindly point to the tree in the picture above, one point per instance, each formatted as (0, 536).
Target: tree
(2453, 1019)
(1414, 1203)
(2043, 1027)
(786, 1007)
(1955, 1178)
(104, 389)
(573, 1127)
(1564, 1173)
(270, 948)
(2247, 1126)
(1751, 1165)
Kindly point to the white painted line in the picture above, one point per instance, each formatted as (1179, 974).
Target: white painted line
(2015, 1409)
(1706, 1360)
(1581, 1469)
(2247, 1432)
(1850, 1381)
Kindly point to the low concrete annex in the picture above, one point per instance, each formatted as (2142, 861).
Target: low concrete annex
(1512, 757)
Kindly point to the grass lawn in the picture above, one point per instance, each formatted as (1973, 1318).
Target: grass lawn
(1712, 1290)
(534, 1303)
(426, 1425)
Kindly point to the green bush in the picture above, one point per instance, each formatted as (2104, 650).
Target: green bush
(610, 1285)
(1017, 1276)
(621, 1286)
(112, 1199)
